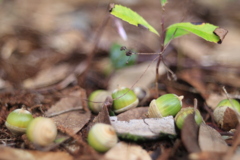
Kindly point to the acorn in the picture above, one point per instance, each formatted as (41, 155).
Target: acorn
(18, 120)
(183, 113)
(165, 105)
(102, 137)
(226, 114)
(124, 99)
(96, 100)
(42, 131)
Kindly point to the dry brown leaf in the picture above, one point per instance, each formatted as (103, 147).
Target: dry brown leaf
(210, 140)
(130, 75)
(74, 120)
(136, 113)
(189, 134)
(19, 154)
(48, 76)
(127, 152)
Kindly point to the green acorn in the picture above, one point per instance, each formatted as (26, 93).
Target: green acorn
(96, 97)
(166, 105)
(183, 113)
(102, 137)
(226, 114)
(124, 99)
(18, 120)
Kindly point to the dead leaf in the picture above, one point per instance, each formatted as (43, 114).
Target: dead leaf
(19, 154)
(74, 120)
(127, 152)
(189, 134)
(221, 33)
(149, 128)
(48, 76)
(135, 113)
(210, 140)
(103, 116)
(130, 75)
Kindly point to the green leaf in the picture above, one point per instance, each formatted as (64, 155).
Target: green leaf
(163, 2)
(128, 15)
(203, 30)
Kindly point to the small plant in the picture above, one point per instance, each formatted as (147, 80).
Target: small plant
(206, 31)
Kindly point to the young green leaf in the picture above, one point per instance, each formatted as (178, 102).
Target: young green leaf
(163, 2)
(128, 15)
(203, 30)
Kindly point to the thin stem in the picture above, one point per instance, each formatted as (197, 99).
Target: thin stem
(65, 111)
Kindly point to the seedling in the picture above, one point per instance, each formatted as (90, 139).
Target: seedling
(208, 32)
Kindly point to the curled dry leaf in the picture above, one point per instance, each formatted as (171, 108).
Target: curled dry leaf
(210, 140)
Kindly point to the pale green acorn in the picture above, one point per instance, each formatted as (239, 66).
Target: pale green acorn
(18, 120)
(183, 113)
(226, 113)
(42, 131)
(96, 100)
(165, 105)
(102, 137)
(124, 99)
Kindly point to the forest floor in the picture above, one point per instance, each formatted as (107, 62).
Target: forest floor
(55, 53)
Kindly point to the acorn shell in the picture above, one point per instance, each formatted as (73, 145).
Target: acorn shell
(96, 97)
(183, 113)
(18, 121)
(226, 117)
(165, 105)
(42, 131)
(102, 137)
(124, 99)
(226, 114)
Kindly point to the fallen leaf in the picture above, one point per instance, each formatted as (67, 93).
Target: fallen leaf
(74, 120)
(143, 74)
(127, 152)
(189, 134)
(19, 154)
(142, 129)
(135, 113)
(48, 76)
(210, 140)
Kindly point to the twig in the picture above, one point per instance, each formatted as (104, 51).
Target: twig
(65, 111)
